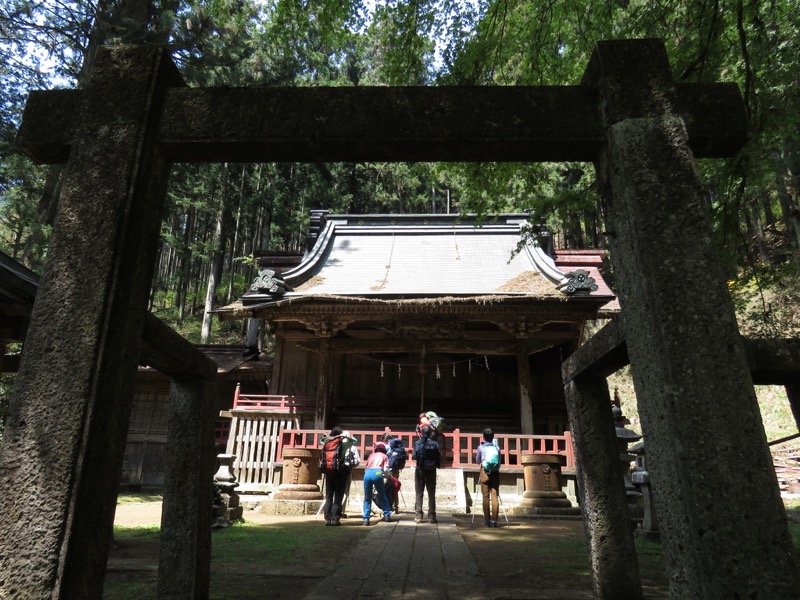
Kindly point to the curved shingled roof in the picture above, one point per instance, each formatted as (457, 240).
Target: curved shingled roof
(396, 257)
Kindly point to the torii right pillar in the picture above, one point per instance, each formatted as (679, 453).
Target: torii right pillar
(724, 527)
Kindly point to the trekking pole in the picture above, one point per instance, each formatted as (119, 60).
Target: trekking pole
(504, 509)
(346, 500)
(322, 491)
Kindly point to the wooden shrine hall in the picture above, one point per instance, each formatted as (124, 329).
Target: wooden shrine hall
(388, 315)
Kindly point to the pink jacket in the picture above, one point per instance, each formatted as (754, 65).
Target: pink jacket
(377, 460)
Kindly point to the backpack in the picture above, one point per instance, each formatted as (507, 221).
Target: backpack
(352, 458)
(397, 454)
(491, 458)
(437, 422)
(332, 458)
(426, 453)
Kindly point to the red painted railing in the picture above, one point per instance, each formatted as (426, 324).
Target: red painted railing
(458, 449)
(274, 403)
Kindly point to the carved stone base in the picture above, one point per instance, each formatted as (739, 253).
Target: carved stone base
(298, 491)
(553, 499)
(287, 508)
(546, 503)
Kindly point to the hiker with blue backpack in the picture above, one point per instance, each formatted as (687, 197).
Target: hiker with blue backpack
(428, 457)
(488, 457)
(333, 464)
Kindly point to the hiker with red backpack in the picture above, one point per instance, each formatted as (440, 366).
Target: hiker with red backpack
(488, 457)
(333, 464)
(375, 470)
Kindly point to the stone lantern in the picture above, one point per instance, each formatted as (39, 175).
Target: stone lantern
(641, 479)
(625, 437)
(226, 505)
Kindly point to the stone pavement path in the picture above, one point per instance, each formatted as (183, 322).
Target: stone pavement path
(403, 559)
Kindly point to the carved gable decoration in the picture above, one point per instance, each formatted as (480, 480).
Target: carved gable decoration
(578, 282)
(424, 329)
(268, 282)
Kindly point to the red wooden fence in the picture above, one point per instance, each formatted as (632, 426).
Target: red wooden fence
(458, 449)
(274, 403)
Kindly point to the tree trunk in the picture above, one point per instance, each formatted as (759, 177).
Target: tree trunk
(186, 264)
(217, 257)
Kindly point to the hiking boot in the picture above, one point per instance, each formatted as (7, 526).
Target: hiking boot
(432, 520)
(417, 519)
(493, 524)
(327, 522)
(366, 522)
(334, 522)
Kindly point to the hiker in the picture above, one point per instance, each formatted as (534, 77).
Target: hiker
(374, 471)
(352, 459)
(427, 456)
(424, 421)
(333, 465)
(432, 420)
(397, 461)
(488, 457)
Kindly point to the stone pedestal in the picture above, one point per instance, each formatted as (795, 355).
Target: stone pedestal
(543, 494)
(300, 475)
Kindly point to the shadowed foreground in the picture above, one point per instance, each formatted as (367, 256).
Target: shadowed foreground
(298, 558)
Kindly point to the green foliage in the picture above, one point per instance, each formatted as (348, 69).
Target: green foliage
(766, 300)
(753, 197)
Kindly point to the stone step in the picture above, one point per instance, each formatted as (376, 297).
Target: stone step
(447, 491)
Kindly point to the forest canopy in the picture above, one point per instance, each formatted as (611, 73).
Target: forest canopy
(222, 217)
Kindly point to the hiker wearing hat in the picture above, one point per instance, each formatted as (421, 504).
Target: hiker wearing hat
(488, 457)
(427, 456)
(374, 472)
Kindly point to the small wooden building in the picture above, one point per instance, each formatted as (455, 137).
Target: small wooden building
(145, 460)
(389, 315)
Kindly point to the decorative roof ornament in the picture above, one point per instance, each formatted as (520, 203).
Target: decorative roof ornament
(268, 282)
(577, 281)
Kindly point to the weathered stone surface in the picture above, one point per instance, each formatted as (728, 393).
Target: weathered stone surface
(615, 570)
(695, 394)
(394, 123)
(285, 508)
(184, 564)
(65, 437)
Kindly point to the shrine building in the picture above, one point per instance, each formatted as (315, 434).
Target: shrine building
(390, 315)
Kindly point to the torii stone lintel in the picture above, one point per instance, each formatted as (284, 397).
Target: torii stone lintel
(394, 123)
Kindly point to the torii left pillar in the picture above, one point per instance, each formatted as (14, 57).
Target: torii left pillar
(65, 437)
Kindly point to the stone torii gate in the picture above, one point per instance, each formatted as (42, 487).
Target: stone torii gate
(642, 131)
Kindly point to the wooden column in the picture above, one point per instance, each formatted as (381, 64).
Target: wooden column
(525, 391)
(724, 529)
(609, 534)
(184, 564)
(65, 437)
(277, 381)
(324, 383)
